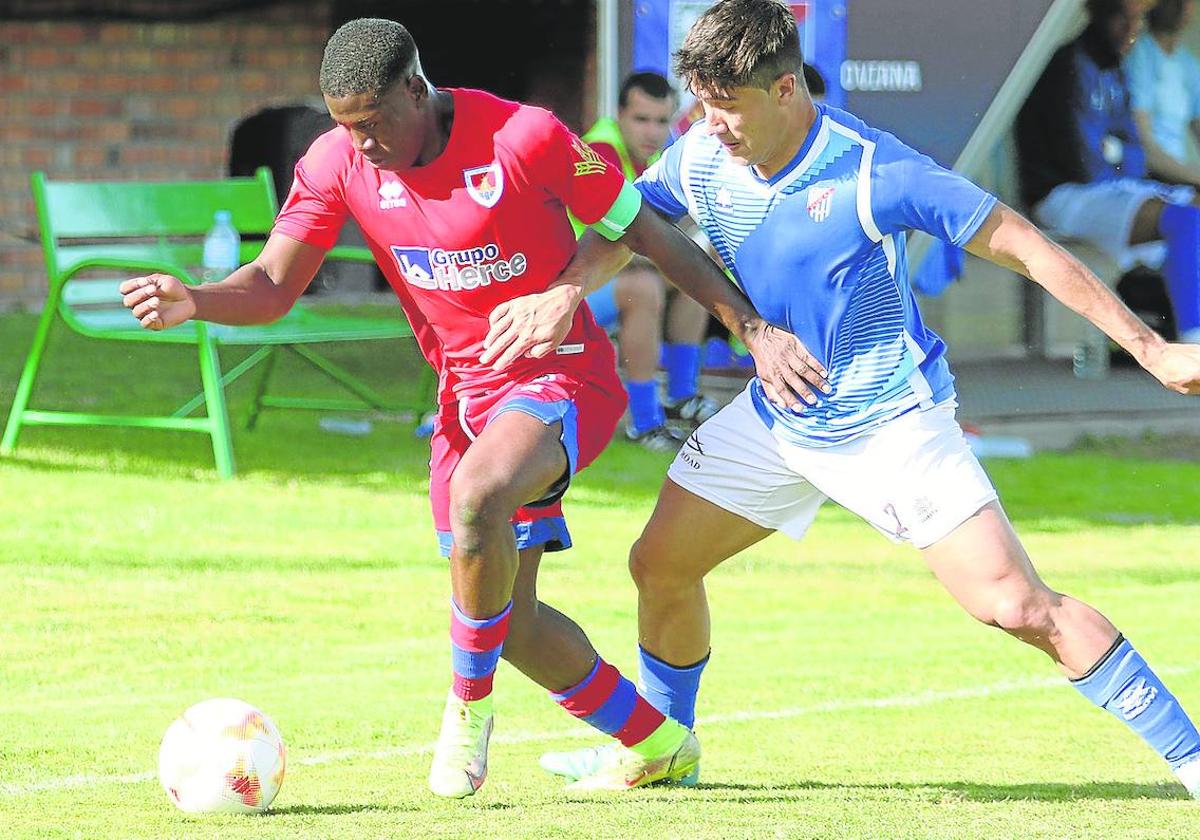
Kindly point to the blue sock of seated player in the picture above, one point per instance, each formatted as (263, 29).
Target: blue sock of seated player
(1180, 227)
(644, 408)
(682, 362)
(1123, 683)
(670, 689)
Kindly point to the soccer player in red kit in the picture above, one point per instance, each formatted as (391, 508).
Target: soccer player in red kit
(463, 199)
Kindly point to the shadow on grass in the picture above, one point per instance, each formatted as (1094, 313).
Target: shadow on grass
(368, 807)
(335, 810)
(967, 791)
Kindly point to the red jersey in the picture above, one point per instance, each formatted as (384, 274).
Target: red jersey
(484, 222)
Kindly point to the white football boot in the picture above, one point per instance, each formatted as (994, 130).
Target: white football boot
(622, 768)
(460, 758)
(1189, 775)
(575, 764)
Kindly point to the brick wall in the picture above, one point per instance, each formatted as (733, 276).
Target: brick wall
(150, 101)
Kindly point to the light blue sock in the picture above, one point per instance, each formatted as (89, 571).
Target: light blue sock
(644, 407)
(1180, 226)
(669, 689)
(1123, 683)
(682, 362)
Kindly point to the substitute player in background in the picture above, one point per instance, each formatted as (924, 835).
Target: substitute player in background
(463, 198)
(633, 303)
(809, 207)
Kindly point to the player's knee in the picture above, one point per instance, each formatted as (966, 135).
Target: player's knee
(652, 572)
(641, 289)
(478, 501)
(1025, 613)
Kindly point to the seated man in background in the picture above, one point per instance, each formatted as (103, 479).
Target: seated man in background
(1164, 87)
(1083, 166)
(632, 304)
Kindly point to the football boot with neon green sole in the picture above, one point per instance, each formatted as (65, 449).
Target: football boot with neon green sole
(575, 765)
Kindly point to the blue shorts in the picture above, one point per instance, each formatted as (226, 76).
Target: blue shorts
(603, 303)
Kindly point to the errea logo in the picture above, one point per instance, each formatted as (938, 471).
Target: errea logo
(391, 195)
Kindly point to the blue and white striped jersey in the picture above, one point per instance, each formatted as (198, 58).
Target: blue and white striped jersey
(820, 251)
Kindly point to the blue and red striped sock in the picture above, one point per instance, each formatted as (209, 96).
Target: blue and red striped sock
(475, 646)
(609, 702)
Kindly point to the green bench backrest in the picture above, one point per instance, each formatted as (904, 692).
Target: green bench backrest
(168, 214)
(159, 222)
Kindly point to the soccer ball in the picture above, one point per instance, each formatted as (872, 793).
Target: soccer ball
(222, 756)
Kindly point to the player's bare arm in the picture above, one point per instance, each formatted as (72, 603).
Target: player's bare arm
(1008, 239)
(257, 293)
(536, 323)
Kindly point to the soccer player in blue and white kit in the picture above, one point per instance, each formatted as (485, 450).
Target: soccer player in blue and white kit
(809, 207)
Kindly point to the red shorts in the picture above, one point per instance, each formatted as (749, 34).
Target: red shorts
(589, 412)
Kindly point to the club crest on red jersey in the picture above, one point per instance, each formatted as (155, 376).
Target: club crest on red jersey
(485, 184)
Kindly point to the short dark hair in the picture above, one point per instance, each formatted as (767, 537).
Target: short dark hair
(366, 55)
(1167, 17)
(1101, 10)
(740, 43)
(654, 85)
(814, 80)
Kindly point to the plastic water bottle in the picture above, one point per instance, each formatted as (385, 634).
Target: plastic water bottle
(344, 426)
(998, 446)
(1088, 362)
(221, 248)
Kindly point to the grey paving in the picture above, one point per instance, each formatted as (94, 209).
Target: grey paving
(1043, 402)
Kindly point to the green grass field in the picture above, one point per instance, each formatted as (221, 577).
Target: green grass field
(847, 695)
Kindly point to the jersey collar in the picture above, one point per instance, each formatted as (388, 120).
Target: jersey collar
(814, 143)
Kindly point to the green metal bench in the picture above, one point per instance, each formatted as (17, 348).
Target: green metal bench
(97, 234)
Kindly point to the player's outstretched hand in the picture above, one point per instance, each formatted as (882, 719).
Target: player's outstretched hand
(1177, 366)
(158, 301)
(531, 325)
(788, 372)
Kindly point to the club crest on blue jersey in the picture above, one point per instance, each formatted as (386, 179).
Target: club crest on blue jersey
(820, 201)
(485, 184)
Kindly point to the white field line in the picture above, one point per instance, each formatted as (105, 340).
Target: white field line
(924, 698)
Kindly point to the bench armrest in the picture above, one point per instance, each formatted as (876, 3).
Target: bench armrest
(149, 266)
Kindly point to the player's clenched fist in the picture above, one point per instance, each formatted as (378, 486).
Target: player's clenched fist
(158, 301)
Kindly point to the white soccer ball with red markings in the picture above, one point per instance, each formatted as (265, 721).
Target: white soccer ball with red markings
(222, 756)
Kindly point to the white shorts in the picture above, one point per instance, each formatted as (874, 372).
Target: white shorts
(914, 478)
(1102, 214)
